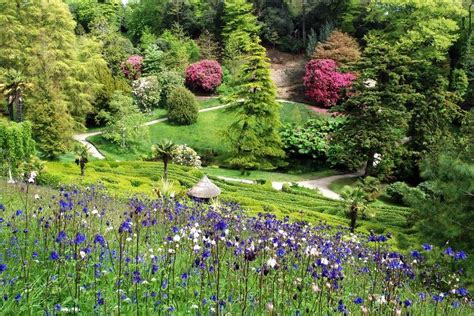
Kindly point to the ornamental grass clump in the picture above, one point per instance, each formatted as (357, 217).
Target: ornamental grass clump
(82, 252)
(204, 76)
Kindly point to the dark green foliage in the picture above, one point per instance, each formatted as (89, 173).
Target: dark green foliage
(182, 106)
(402, 193)
(311, 139)
(377, 117)
(448, 210)
(254, 135)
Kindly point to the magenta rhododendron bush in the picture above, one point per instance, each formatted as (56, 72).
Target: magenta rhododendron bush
(324, 83)
(132, 68)
(205, 75)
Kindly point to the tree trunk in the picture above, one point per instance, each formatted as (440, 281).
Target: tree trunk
(83, 167)
(19, 110)
(165, 168)
(353, 216)
(370, 165)
(10, 111)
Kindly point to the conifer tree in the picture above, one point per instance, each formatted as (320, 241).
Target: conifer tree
(377, 115)
(254, 135)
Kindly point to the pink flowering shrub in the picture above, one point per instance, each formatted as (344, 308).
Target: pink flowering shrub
(132, 68)
(324, 83)
(205, 75)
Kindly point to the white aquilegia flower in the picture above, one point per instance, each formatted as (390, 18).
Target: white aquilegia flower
(176, 238)
(272, 262)
(324, 261)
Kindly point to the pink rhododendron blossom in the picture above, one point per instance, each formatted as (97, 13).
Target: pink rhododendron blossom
(132, 68)
(205, 75)
(324, 83)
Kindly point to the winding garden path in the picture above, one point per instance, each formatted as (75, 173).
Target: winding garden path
(94, 152)
(321, 184)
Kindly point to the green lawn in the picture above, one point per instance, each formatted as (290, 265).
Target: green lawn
(206, 136)
(338, 185)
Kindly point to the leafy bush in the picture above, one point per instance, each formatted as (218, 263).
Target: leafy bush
(402, 193)
(324, 83)
(205, 75)
(182, 107)
(169, 80)
(340, 47)
(132, 67)
(312, 139)
(185, 156)
(147, 92)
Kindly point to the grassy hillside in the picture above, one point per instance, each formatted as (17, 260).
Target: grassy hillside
(127, 178)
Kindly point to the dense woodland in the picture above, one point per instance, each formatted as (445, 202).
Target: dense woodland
(393, 77)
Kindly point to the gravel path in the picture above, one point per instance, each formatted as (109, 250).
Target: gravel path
(94, 152)
(321, 184)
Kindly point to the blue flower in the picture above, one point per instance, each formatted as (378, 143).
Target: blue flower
(57, 307)
(184, 276)
(449, 251)
(359, 300)
(221, 225)
(3, 267)
(61, 236)
(54, 255)
(2, 207)
(427, 247)
(80, 238)
(407, 303)
(437, 298)
(455, 304)
(18, 297)
(136, 277)
(415, 254)
(99, 239)
(280, 252)
(341, 307)
(460, 255)
(125, 227)
(19, 212)
(462, 291)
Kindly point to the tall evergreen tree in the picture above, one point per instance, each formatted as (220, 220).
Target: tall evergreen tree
(254, 135)
(377, 116)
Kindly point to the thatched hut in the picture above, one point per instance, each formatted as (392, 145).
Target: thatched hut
(204, 189)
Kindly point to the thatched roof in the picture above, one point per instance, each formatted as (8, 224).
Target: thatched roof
(204, 189)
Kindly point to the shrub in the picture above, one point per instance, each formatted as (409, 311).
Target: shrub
(340, 47)
(147, 92)
(205, 75)
(132, 67)
(324, 83)
(182, 107)
(312, 139)
(169, 80)
(402, 193)
(186, 156)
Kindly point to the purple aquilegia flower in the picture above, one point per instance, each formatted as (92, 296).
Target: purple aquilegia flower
(99, 239)
(80, 238)
(54, 255)
(3, 267)
(462, 291)
(137, 278)
(221, 225)
(407, 303)
(280, 252)
(427, 247)
(460, 255)
(341, 307)
(18, 213)
(449, 251)
(359, 300)
(61, 236)
(125, 227)
(2, 207)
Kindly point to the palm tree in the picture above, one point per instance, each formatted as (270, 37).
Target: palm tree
(356, 200)
(82, 157)
(12, 89)
(163, 150)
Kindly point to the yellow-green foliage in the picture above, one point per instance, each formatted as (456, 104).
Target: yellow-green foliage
(124, 179)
